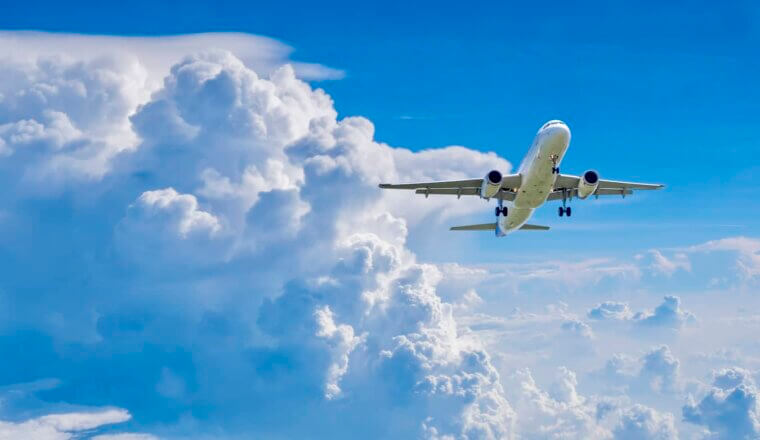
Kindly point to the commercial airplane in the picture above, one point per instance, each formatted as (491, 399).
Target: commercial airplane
(537, 181)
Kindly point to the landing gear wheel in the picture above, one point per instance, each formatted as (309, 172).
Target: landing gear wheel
(504, 211)
(561, 211)
(498, 210)
(569, 211)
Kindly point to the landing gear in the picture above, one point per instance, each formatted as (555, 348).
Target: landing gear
(500, 209)
(554, 158)
(564, 209)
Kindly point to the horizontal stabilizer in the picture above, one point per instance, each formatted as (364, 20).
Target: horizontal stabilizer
(481, 227)
(528, 227)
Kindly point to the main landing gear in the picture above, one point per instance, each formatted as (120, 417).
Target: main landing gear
(564, 209)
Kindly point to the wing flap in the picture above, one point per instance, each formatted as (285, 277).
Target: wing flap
(557, 195)
(615, 184)
(503, 195)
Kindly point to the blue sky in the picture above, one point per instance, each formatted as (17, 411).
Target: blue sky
(193, 245)
(644, 86)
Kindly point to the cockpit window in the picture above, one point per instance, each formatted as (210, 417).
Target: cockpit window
(550, 123)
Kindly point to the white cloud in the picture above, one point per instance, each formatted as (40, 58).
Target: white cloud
(640, 422)
(668, 266)
(63, 426)
(221, 239)
(611, 310)
(158, 54)
(668, 314)
(730, 409)
(661, 369)
(748, 250)
(125, 436)
(182, 209)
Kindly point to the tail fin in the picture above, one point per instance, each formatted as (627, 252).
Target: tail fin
(528, 227)
(480, 227)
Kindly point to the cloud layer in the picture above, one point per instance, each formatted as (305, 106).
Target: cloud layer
(194, 246)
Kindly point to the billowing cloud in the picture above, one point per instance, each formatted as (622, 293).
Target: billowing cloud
(640, 422)
(730, 408)
(661, 369)
(668, 314)
(611, 310)
(194, 235)
(231, 226)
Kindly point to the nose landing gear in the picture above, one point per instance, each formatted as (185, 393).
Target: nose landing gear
(501, 209)
(554, 158)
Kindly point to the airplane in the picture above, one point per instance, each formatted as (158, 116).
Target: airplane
(537, 181)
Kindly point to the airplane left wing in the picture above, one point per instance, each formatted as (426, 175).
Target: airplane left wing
(471, 183)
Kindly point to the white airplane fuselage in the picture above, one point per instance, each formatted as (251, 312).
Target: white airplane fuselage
(538, 174)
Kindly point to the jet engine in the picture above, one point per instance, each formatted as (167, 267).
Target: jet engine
(491, 184)
(588, 184)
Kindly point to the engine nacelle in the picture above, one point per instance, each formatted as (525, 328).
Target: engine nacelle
(491, 184)
(588, 184)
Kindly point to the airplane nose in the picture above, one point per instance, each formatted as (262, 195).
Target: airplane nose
(557, 131)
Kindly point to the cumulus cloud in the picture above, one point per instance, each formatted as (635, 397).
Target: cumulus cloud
(668, 314)
(611, 310)
(206, 229)
(560, 413)
(563, 412)
(640, 422)
(730, 408)
(661, 369)
(578, 328)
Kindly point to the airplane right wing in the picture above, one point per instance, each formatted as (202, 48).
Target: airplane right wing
(569, 181)
(470, 187)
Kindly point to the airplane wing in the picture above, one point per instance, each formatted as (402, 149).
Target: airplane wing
(471, 183)
(470, 187)
(491, 226)
(606, 187)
